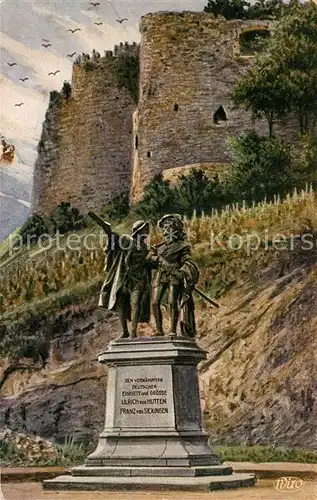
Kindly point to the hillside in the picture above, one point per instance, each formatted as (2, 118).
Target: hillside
(258, 382)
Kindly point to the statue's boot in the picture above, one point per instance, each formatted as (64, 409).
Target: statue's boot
(124, 335)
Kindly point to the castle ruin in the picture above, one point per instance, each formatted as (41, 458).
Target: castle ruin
(99, 142)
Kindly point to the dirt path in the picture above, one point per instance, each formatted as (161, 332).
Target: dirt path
(264, 490)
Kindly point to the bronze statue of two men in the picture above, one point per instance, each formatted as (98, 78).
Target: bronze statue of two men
(129, 288)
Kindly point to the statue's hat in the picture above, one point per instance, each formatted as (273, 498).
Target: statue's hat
(138, 226)
(176, 217)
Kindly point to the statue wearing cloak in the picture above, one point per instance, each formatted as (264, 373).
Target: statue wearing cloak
(127, 287)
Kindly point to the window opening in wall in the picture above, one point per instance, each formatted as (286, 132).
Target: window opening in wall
(251, 41)
(149, 154)
(136, 142)
(176, 107)
(220, 115)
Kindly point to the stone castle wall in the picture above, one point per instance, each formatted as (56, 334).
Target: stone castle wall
(84, 155)
(99, 143)
(189, 63)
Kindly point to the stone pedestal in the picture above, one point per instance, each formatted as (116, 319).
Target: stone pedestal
(153, 435)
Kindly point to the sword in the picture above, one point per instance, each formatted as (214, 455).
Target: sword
(105, 225)
(204, 296)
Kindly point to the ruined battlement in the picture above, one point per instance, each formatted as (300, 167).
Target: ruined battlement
(189, 63)
(114, 132)
(84, 154)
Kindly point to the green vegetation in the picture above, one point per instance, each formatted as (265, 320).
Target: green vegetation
(34, 227)
(45, 316)
(71, 453)
(261, 168)
(55, 98)
(127, 73)
(66, 90)
(89, 66)
(283, 79)
(68, 453)
(240, 9)
(118, 208)
(253, 41)
(45, 277)
(261, 453)
(158, 198)
(65, 218)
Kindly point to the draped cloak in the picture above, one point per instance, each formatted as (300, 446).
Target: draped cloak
(126, 271)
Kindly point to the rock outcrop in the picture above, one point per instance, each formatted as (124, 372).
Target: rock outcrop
(259, 381)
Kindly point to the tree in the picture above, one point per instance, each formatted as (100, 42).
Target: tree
(240, 9)
(261, 168)
(229, 9)
(264, 91)
(283, 78)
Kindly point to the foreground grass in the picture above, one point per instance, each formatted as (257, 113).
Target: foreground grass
(68, 453)
(71, 453)
(261, 453)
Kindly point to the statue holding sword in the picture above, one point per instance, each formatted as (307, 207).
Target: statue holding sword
(177, 275)
(129, 265)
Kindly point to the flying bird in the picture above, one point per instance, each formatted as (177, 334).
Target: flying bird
(98, 24)
(44, 40)
(120, 21)
(24, 79)
(12, 64)
(95, 3)
(55, 72)
(71, 55)
(46, 45)
(20, 104)
(74, 31)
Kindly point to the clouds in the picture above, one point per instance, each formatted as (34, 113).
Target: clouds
(24, 24)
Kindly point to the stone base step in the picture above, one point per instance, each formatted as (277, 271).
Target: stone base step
(213, 470)
(101, 483)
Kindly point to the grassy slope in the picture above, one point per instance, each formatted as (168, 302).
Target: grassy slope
(253, 299)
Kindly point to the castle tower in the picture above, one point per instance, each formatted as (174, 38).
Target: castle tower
(189, 63)
(84, 155)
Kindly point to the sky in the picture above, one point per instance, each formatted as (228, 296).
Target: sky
(24, 25)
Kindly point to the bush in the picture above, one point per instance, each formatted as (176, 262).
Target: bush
(261, 168)
(34, 227)
(197, 192)
(65, 218)
(55, 98)
(66, 90)
(118, 208)
(127, 74)
(158, 199)
(306, 161)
